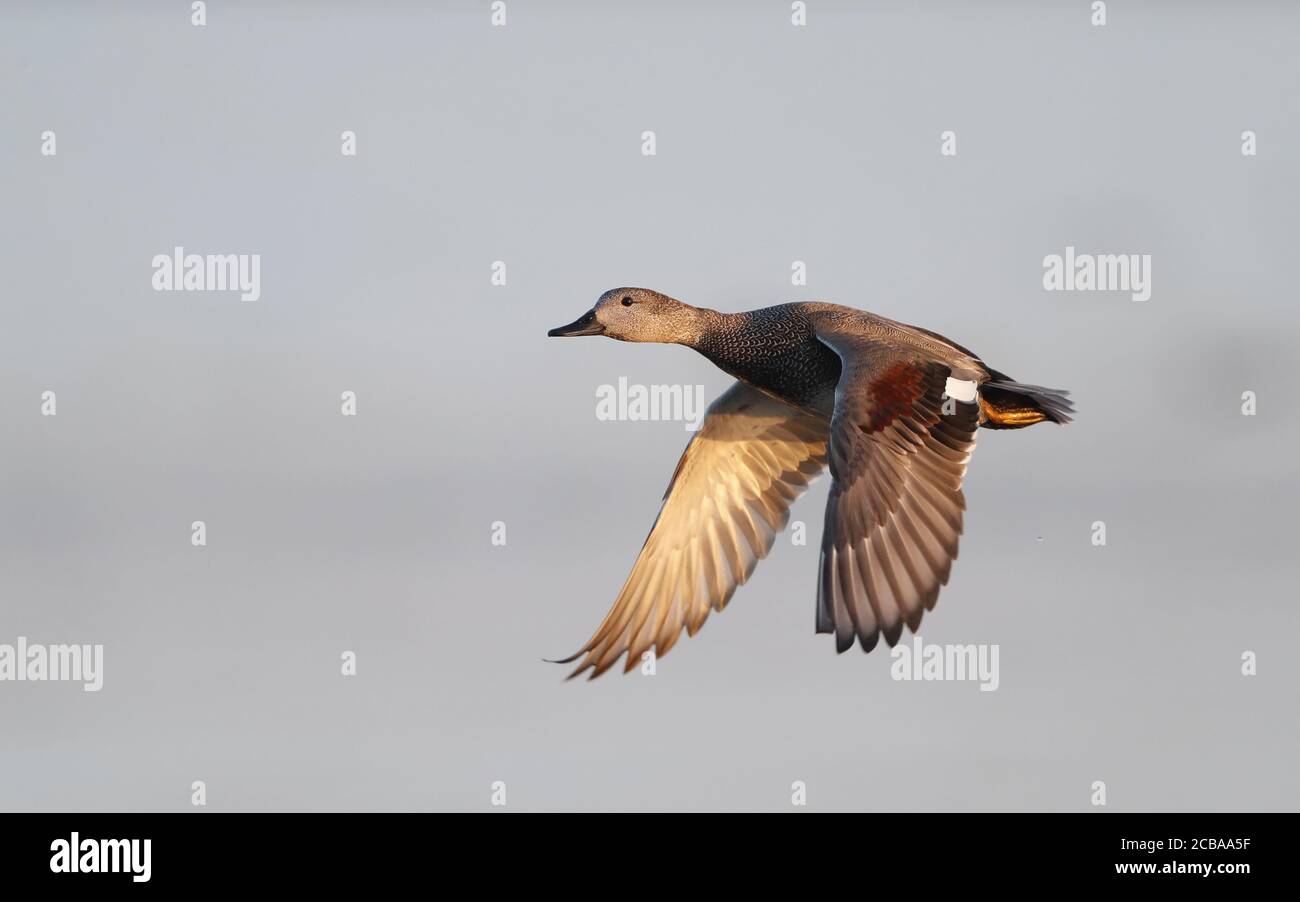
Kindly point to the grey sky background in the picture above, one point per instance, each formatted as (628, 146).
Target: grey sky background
(522, 144)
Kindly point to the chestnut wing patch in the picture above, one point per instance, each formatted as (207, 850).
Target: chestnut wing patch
(892, 394)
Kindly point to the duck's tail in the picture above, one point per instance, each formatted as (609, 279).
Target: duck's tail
(1007, 404)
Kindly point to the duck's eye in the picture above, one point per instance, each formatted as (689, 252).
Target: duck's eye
(627, 302)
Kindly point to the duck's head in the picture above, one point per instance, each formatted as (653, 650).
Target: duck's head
(636, 314)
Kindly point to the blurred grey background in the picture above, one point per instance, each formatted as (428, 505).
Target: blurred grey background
(522, 144)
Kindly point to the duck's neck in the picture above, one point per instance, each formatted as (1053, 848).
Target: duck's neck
(708, 330)
(729, 340)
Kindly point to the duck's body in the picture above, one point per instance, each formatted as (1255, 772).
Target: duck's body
(776, 349)
(893, 409)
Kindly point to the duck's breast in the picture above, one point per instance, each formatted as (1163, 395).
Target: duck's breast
(775, 351)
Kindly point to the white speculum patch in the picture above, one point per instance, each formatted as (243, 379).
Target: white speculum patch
(960, 389)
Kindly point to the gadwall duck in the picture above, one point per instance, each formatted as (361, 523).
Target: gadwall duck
(893, 409)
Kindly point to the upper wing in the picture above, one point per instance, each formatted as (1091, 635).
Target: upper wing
(898, 452)
(728, 499)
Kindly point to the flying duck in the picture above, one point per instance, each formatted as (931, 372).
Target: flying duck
(892, 408)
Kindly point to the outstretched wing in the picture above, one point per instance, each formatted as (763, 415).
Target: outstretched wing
(898, 453)
(728, 499)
